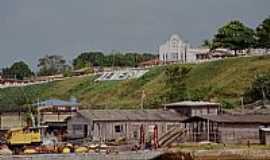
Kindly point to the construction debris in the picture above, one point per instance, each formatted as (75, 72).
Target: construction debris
(4, 150)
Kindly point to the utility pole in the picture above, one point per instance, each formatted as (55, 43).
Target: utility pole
(113, 59)
(38, 113)
(208, 131)
(263, 92)
(242, 104)
(185, 60)
(142, 99)
(263, 96)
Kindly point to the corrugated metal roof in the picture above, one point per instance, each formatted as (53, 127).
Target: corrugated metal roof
(191, 103)
(56, 102)
(226, 118)
(131, 115)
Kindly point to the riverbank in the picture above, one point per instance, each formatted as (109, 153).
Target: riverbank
(130, 155)
(213, 151)
(233, 154)
(190, 151)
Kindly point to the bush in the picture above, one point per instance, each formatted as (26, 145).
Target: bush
(260, 86)
(227, 104)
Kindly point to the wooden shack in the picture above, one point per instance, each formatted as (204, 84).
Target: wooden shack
(54, 112)
(15, 119)
(12, 117)
(109, 125)
(225, 128)
(265, 136)
(194, 108)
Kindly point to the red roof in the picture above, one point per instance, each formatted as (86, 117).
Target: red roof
(150, 62)
(2, 81)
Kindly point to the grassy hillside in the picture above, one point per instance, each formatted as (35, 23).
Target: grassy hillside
(224, 81)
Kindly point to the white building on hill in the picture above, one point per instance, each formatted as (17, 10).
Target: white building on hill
(174, 50)
(177, 50)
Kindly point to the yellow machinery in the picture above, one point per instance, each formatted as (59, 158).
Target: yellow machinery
(19, 138)
(24, 136)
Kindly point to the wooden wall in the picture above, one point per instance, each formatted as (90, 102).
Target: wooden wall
(75, 127)
(12, 120)
(130, 130)
(107, 131)
(239, 133)
(196, 111)
(227, 133)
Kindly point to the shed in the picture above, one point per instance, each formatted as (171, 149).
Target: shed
(12, 117)
(54, 112)
(226, 128)
(264, 136)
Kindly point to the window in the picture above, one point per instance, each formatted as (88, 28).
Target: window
(77, 127)
(93, 127)
(135, 134)
(174, 43)
(118, 128)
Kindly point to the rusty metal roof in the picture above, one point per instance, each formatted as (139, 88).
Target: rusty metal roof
(227, 118)
(131, 115)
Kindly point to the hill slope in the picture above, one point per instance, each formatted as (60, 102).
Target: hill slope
(224, 81)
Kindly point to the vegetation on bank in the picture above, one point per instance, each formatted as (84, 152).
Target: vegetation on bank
(223, 81)
(88, 59)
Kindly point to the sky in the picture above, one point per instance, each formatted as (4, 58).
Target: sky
(30, 29)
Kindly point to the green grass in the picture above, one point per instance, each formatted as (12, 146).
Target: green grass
(223, 81)
(227, 79)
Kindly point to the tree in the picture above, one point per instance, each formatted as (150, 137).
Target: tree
(87, 59)
(234, 36)
(263, 34)
(207, 43)
(19, 70)
(175, 76)
(53, 64)
(259, 90)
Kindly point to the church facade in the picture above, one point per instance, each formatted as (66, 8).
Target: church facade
(176, 50)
